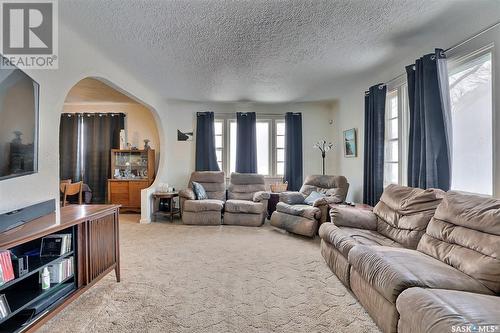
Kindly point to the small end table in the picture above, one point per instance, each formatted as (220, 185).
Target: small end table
(169, 196)
(271, 203)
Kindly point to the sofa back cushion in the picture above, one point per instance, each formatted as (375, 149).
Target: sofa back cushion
(465, 233)
(243, 185)
(404, 212)
(332, 186)
(212, 181)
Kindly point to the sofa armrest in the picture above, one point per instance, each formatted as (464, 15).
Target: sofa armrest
(261, 195)
(292, 198)
(187, 194)
(353, 218)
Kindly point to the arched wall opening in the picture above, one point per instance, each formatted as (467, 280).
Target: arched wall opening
(97, 96)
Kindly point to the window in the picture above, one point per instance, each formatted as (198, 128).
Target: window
(472, 123)
(263, 147)
(391, 160)
(395, 138)
(270, 152)
(280, 148)
(219, 143)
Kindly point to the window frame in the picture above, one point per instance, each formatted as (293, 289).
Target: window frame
(272, 120)
(459, 60)
(401, 88)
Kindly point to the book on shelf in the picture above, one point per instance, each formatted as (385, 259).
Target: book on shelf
(61, 270)
(4, 307)
(55, 245)
(6, 268)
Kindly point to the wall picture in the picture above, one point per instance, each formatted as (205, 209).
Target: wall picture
(184, 135)
(350, 144)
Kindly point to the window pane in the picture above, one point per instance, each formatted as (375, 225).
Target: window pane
(472, 118)
(392, 104)
(218, 141)
(218, 127)
(280, 155)
(280, 142)
(391, 173)
(280, 128)
(218, 152)
(280, 168)
(263, 148)
(220, 166)
(232, 146)
(391, 151)
(392, 129)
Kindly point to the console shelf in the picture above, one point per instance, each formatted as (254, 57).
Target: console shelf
(95, 253)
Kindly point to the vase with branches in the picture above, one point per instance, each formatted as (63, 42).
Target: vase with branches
(323, 147)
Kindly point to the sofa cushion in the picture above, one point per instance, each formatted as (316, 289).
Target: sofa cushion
(199, 191)
(305, 211)
(344, 239)
(292, 198)
(203, 205)
(244, 185)
(465, 233)
(390, 270)
(439, 310)
(213, 182)
(311, 198)
(334, 186)
(244, 206)
(404, 212)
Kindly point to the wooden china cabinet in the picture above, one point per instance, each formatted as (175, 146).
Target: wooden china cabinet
(131, 171)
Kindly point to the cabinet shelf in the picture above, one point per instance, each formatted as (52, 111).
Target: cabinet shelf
(38, 263)
(26, 297)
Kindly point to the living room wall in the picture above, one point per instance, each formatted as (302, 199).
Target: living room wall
(78, 60)
(349, 111)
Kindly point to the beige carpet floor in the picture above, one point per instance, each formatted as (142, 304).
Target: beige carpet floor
(178, 278)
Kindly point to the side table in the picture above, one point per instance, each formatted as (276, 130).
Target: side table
(271, 203)
(169, 196)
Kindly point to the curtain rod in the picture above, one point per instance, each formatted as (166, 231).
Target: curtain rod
(451, 48)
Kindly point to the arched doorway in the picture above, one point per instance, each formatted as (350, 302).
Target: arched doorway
(108, 141)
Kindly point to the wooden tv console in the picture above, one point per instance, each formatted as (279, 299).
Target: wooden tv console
(95, 252)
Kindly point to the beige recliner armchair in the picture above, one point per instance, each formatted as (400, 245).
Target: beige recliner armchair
(294, 215)
(207, 211)
(247, 200)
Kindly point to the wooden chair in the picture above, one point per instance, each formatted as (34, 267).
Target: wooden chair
(72, 189)
(62, 184)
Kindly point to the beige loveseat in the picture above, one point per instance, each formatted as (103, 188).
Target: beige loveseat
(398, 220)
(208, 211)
(294, 216)
(458, 252)
(247, 200)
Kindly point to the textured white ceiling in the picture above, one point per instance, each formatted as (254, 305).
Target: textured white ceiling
(268, 51)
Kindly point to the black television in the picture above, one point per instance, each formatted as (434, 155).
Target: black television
(18, 123)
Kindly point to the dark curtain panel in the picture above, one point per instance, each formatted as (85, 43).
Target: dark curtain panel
(69, 147)
(373, 182)
(246, 142)
(293, 150)
(206, 158)
(429, 150)
(101, 133)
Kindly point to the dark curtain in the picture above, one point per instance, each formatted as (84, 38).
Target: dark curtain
(293, 150)
(70, 166)
(206, 158)
(101, 133)
(429, 150)
(373, 182)
(246, 142)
